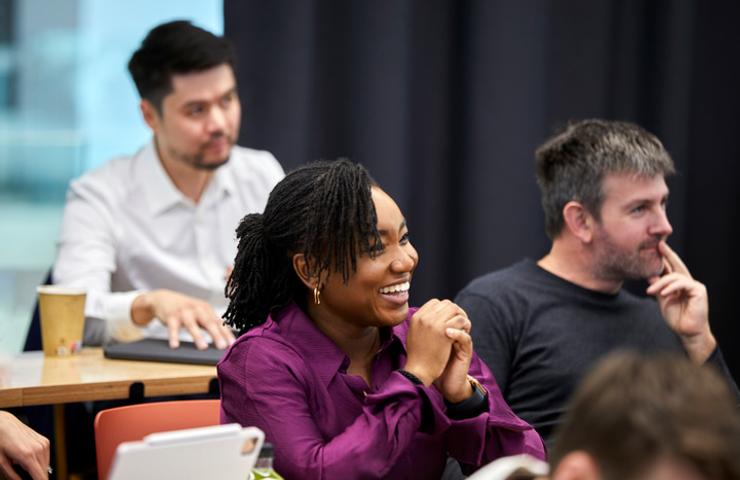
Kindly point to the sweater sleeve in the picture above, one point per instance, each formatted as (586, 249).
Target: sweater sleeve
(717, 360)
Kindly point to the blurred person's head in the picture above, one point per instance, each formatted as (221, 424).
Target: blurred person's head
(603, 182)
(639, 417)
(329, 240)
(185, 77)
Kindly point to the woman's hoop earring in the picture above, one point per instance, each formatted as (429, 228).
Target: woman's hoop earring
(316, 295)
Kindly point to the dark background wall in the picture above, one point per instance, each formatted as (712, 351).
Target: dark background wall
(445, 101)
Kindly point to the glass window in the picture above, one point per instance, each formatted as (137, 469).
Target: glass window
(67, 104)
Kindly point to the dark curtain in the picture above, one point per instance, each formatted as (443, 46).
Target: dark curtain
(445, 101)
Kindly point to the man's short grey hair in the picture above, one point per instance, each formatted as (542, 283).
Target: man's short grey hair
(572, 164)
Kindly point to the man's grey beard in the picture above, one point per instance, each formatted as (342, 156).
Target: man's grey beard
(615, 264)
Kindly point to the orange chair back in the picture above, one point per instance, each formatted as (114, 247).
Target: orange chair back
(134, 422)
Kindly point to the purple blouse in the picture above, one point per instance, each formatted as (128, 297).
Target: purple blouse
(289, 379)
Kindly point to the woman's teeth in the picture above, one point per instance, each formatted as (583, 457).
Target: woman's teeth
(398, 288)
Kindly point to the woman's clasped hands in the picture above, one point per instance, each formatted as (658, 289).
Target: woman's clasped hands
(439, 348)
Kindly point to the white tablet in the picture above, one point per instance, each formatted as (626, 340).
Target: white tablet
(222, 451)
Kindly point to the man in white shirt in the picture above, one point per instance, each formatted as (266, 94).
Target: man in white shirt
(151, 236)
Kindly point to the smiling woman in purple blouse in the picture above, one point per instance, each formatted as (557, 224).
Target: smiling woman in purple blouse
(344, 378)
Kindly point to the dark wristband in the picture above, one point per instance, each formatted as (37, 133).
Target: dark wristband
(472, 406)
(412, 378)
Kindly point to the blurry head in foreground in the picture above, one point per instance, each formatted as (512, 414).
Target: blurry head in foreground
(649, 418)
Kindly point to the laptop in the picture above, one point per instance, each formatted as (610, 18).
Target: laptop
(226, 452)
(158, 350)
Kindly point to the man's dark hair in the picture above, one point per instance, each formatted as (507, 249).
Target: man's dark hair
(634, 410)
(323, 210)
(572, 164)
(173, 48)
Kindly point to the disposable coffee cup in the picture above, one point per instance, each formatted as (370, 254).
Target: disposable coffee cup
(62, 319)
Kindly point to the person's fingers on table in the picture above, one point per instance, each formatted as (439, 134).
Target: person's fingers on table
(195, 332)
(190, 323)
(228, 333)
(224, 331)
(211, 323)
(173, 327)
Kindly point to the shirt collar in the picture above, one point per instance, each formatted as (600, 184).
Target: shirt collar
(318, 350)
(222, 183)
(161, 192)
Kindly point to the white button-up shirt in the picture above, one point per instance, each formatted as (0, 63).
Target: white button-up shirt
(127, 229)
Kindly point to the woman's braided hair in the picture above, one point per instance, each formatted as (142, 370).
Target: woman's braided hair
(323, 210)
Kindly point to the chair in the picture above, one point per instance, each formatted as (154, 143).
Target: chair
(134, 422)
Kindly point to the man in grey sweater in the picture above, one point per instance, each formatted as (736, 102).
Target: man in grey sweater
(541, 325)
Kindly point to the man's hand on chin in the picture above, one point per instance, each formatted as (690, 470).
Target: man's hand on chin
(684, 304)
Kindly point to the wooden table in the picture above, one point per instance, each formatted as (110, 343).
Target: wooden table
(29, 378)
